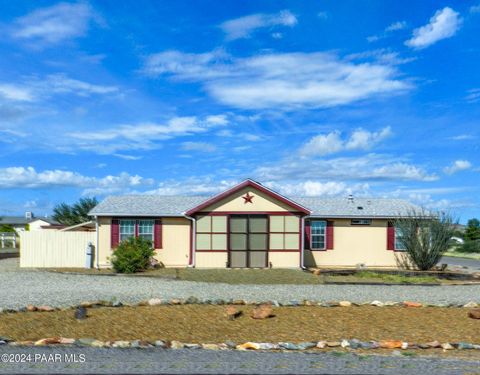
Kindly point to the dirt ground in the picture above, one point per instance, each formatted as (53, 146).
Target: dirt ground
(205, 323)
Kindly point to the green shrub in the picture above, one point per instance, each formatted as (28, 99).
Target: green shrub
(470, 247)
(132, 255)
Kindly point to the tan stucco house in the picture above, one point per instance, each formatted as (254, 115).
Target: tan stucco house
(252, 226)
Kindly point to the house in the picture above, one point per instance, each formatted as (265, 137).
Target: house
(252, 226)
(27, 222)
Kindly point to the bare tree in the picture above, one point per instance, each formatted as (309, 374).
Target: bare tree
(426, 236)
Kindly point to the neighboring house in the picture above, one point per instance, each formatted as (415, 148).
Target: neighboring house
(21, 223)
(250, 225)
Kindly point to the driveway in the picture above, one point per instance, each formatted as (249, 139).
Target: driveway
(463, 264)
(22, 287)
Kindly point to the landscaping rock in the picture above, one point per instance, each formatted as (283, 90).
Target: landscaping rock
(45, 308)
(404, 345)
(48, 341)
(306, 345)
(321, 344)
(464, 345)
(192, 300)
(192, 346)
(248, 346)
(232, 312)
(333, 304)
(84, 341)
(263, 311)
(354, 343)
(447, 346)
(31, 308)
(117, 304)
(474, 314)
(391, 344)
(390, 303)
(333, 344)
(345, 304)
(239, 302)
(97, 344)
(121, 344)
(471, 305)
(434, 344)
(377, 303)
(6, 338)
(344, 344)
(288, 346)
(154, 301)
(412, 304)
(160, 344)
(86, 304)
(423, 346)
(66, 341)
(3, 342)
(211, 346)
(80, 313)
(176, 345)
(317, 272)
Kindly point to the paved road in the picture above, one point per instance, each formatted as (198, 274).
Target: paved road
(158, 361)
(20, 288)
(470, 265)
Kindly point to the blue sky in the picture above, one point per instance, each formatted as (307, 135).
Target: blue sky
(319, 98)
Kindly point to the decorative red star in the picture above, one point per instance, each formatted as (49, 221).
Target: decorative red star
(248, 198)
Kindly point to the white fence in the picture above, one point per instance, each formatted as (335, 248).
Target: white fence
(8, 240)
(54, 249)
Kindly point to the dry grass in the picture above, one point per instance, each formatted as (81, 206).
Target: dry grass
(204, 323)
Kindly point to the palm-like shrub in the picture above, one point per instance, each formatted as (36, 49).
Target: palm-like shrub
(426, 237)
(132, 255)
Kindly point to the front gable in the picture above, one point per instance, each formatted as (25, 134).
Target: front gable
(249, 196)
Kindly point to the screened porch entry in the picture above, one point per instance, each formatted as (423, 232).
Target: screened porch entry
(248, 241)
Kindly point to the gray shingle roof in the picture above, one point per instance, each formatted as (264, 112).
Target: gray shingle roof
(156, 205)
(22, 220)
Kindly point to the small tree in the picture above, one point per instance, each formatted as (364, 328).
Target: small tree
(425, 237)
(74, 214)
(472, 232)
(132, 255)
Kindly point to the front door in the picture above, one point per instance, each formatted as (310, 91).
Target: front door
(248, 241)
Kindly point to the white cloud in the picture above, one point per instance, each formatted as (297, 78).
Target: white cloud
(371, 167)
(330, 143)
(243, 27)
(142, 136)
(444, 24)
(54, 24)
(462, 137)
(28, 177)
(280, 80)
(198, 146)
(399, 25)
(316, 188)
(473, 96)
(457, 166)
(35, 89)
(15, 93)
(322, 15)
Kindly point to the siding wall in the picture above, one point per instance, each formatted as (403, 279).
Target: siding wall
(54, 249)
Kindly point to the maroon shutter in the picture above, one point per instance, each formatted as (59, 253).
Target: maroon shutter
(157, 234)
(115, 233)
(390, 236)
(329, 235)
(308, 231)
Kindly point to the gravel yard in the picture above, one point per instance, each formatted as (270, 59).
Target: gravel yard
(21, 287)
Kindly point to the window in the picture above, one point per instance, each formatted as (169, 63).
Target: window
(284, 231)
(318, 234)
(127, 229)
(212, 233)
(361, 221)
(145, 229)
(399, 246)
(136, 228)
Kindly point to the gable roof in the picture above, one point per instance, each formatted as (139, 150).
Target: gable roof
(255, 185)
(157, 206)
(22, 220)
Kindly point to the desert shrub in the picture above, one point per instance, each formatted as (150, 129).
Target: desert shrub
(426, 236)
(132, 255)
(470, 246)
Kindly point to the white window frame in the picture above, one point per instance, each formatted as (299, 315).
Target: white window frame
(324, 235)
(136, 229)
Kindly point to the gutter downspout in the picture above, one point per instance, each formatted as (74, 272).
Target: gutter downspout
(192, 240)
(97, 255)
(302, 243)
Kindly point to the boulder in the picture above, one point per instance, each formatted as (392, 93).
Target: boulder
(412, 304)
(447, 346)
(404, 345)
(471, 305)
(377, 303)
(344, 344)
(474, 314)
(288, 346)
(66, 341)
(210, 346)
(97, 344)
(239, 302)
(31, 308)
(248, 346)
(48, 341)
(45, 308)
(321, 344)
(464, 345)
(175, 301)
(333, 344)
(232, 312)
(176, 345)
(434, 344)
(160, 344)
(345, 304)
(121, 344)
(263, 311)
(154, 301)
(391, 344)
